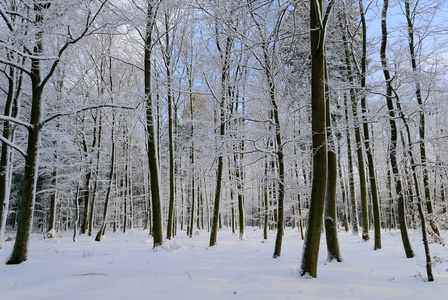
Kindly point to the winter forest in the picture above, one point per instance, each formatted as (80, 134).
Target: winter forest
(294, 122)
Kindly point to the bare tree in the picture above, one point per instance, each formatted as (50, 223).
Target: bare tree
(39, 14)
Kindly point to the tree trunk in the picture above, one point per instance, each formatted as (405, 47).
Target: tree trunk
(330, 220)
(11, 109)
(394, 135)
(319, 140)
(167, 59)
(266, 201)
(109, 187)
(367, 142)
(75, 224)
(153, 158)
(351, 179)
(95, 184)
(418, 93)
(53, 205)
(20, 251)
(225, 61)
(358, 138)
(86, 197)
(343, 190)
(192, 154)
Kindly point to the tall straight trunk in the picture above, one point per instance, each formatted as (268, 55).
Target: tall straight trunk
(109, 187)
(192, 156)
(275, 117)
(231, 191)
(366, 130)
(20, 251)
(53, 204)
(95, 184)
(281, 172)
(351, 178)
(358, 138)
(299, 198)
(86, 197)
(393, 222)
(11, 110)
(330, 221)
(167, 58)
(225, 61)
(269, 71)
(343, 191)
(394, 135)
(319, 139)
(417, 190)
(443, 196)
(153, 158)
(124, 189)
(88, 177)
(239, 176)
(193, 194)
(216, 217)
(148, 220)
(422, 129)
(266, 201)
(75, 223)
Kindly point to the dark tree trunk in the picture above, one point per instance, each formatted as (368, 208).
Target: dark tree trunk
(20, 251)
(319, 143)
(418, 93)
(53, 205)
(330, 219)
(225, 61)
(343, 190)
(109, 187)
(95, 184)
(153, 158)
(11, 110)
(167, 59)
(393, 139)
(358, 138)
(367, 141)
(351, 179)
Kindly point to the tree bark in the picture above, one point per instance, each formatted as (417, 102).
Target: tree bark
(167, 59)
(225, 65)
(367, 142)
(330, 220)
(319, 140)
(95, 184)
(422, 122)
(351, 179)
(109, 187)
(11, 110)
(20, 251)
(153, 158)
(358, 138)
(394, 135)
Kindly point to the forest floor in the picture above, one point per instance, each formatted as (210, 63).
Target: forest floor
(124, 266)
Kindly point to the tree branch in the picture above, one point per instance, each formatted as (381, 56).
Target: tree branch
(16, 121)
(13, 146)
(84, 109)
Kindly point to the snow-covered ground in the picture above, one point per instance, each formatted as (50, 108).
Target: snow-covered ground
(124, 266)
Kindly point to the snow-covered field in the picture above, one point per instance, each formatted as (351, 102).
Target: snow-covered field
(124, 266)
